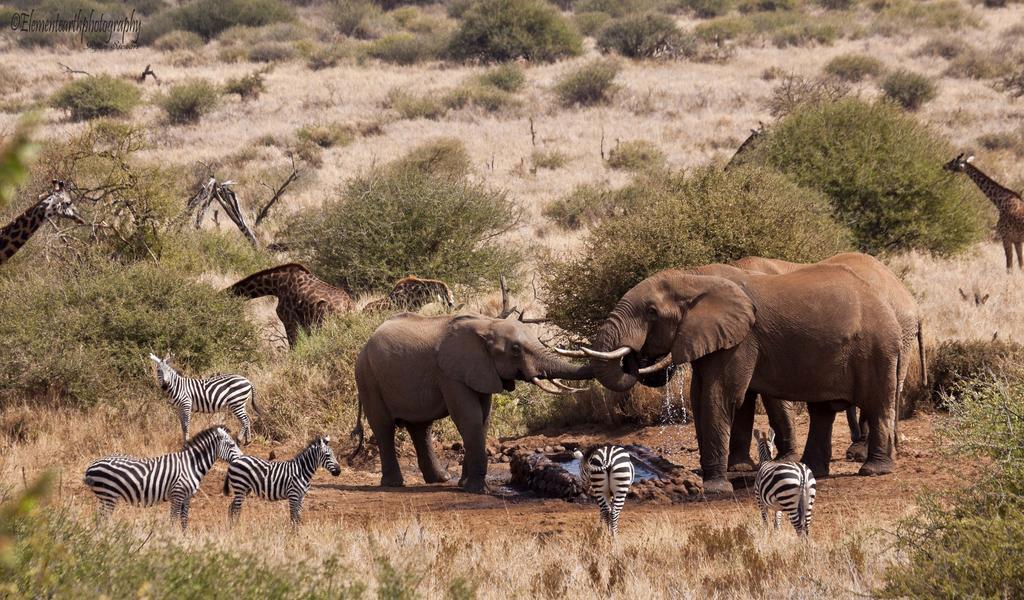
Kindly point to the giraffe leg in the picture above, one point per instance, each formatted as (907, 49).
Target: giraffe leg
(1008, 251)
(1020, 260)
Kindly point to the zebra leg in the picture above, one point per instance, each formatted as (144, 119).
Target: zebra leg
(243, 418)
(236, 508)
(778, 519)
(184, 512)
(104, 511)
(763, 509)
(613, 521)
(185, 416)
(295, 503)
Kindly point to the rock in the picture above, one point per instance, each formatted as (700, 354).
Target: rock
(503, 458)
(538, 450)
(548, 449)
(559, 448)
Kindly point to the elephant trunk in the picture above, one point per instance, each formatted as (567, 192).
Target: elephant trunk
(553, 367)
(620, 329)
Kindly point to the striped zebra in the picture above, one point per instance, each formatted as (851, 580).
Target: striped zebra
(783, 487)
(278, 480)
(206, 395)
(146, 481)
(607, 473)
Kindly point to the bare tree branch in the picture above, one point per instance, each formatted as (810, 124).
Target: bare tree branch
(278, 193)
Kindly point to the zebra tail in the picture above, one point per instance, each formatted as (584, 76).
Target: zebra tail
(357, 431)
(255, 407)
(803, 502)
(227, 485)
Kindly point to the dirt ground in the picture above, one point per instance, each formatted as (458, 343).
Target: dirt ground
(354, 497)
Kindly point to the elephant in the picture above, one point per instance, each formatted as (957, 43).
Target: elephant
(415, 370)
(817, 335)
(892, 291)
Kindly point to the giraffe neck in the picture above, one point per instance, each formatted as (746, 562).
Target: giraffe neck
(1000, 196)
(18, 231)
(269, 284)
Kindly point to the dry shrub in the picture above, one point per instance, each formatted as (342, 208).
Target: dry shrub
(795, 91)
(502, 30)
(646, 36)
(854, 67)
(326, 135)
(592, 83)
(955, 364)
(548, 159)
(583, 207)
(248, 87)
(909, 89)
(187, 102)
(636, 155)
(178, 40)
(404, 48)
(415, 106)
(977, 64)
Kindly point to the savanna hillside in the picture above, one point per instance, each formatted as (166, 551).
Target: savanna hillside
(574, 147)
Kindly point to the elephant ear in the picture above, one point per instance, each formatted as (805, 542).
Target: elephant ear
(717, 314)
(463, 355)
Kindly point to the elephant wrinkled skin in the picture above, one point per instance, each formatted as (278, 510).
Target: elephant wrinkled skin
(415, 370)
(817, 335)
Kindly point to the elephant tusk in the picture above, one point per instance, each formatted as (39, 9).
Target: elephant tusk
(613, 355)
(537, 381)
(570, 353)
(567, 388)
(661, 364)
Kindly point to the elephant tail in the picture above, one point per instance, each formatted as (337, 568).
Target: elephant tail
(924, 361)
(357, 431)
(899, 393)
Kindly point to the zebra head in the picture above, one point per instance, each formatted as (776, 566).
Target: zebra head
(227, 448)
(765, 444)
(163, 370)
(327, 459)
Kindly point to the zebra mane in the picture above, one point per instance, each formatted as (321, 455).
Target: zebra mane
(204, 436)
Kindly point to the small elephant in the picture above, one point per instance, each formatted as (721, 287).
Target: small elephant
(415, 370)
(816, 335)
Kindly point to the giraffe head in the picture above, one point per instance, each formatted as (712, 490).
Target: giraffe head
(57, 203)
(959, 164)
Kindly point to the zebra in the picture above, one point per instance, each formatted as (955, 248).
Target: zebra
(606, 473)
(206, 395)
(277, 480)
(146, 481)
(783, 487)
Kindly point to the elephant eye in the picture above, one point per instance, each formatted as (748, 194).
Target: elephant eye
(516, 349)
(652, 312)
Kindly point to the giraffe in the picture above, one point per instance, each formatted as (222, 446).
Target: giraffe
(303, 299)
(412, 293)
(747, 145)
(54, 203)
(1010, 226)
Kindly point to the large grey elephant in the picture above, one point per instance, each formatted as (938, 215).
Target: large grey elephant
(817, 335)
(415, 370)
(891, 290)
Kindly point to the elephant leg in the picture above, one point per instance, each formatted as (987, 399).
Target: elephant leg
(818, 450)
(432, 471)
(858, 450)
(741, 434)
(881, 420)
(390, 471)
(722, 389)
(467, 410)
(780, 417)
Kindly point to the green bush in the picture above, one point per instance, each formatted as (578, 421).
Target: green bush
(592, 83)
(964, 543)
(98, 96)
(954, 366)
(442, 157)
(501, 30)
(911, 90)
(403, 219)
(854, 67)
(583, 207)
(794, 91)
(405, 48)
(880, 168)
(645, 36)
(210, 17)
(357, 18)
(178, 40)
(805, 33)
(486, 97)
(187, 102)
(705, 9)
(248, 87)
(897, 17)
(268, 52)
(414, 106)
(636, 155)
(749, 6)
(327, 135)
(677, 219)
(548, 159)
(508, 77)
(591, 23)
(79, 338)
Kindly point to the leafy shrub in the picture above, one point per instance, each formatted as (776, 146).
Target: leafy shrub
(896, 17)
(785, 28)
(677, 219)
(548, 159)
(405, 48)
(592, 83)
(957, 545)
(501, 30)
(911, 90)
(837, 4)
(590, 23)
(854, 67)
(944, 47)
(954, 366)
(98, 96)
(268, 52)
(976, 64)
(645, 36)
(582, 207)
(487, 97)
(327, 135)
(879, 167)
(508, 77)
(636, 155)
(749, 6)
(443, 157)
(178, 40)
(806, 33)
(1003, 140)
(401, 219)
(413, 106)
(357, 18)
(210, 17)
(705, 9)
(248, 87)
(326, 56)
(795, 91)
(72, 338)
(187, 102)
